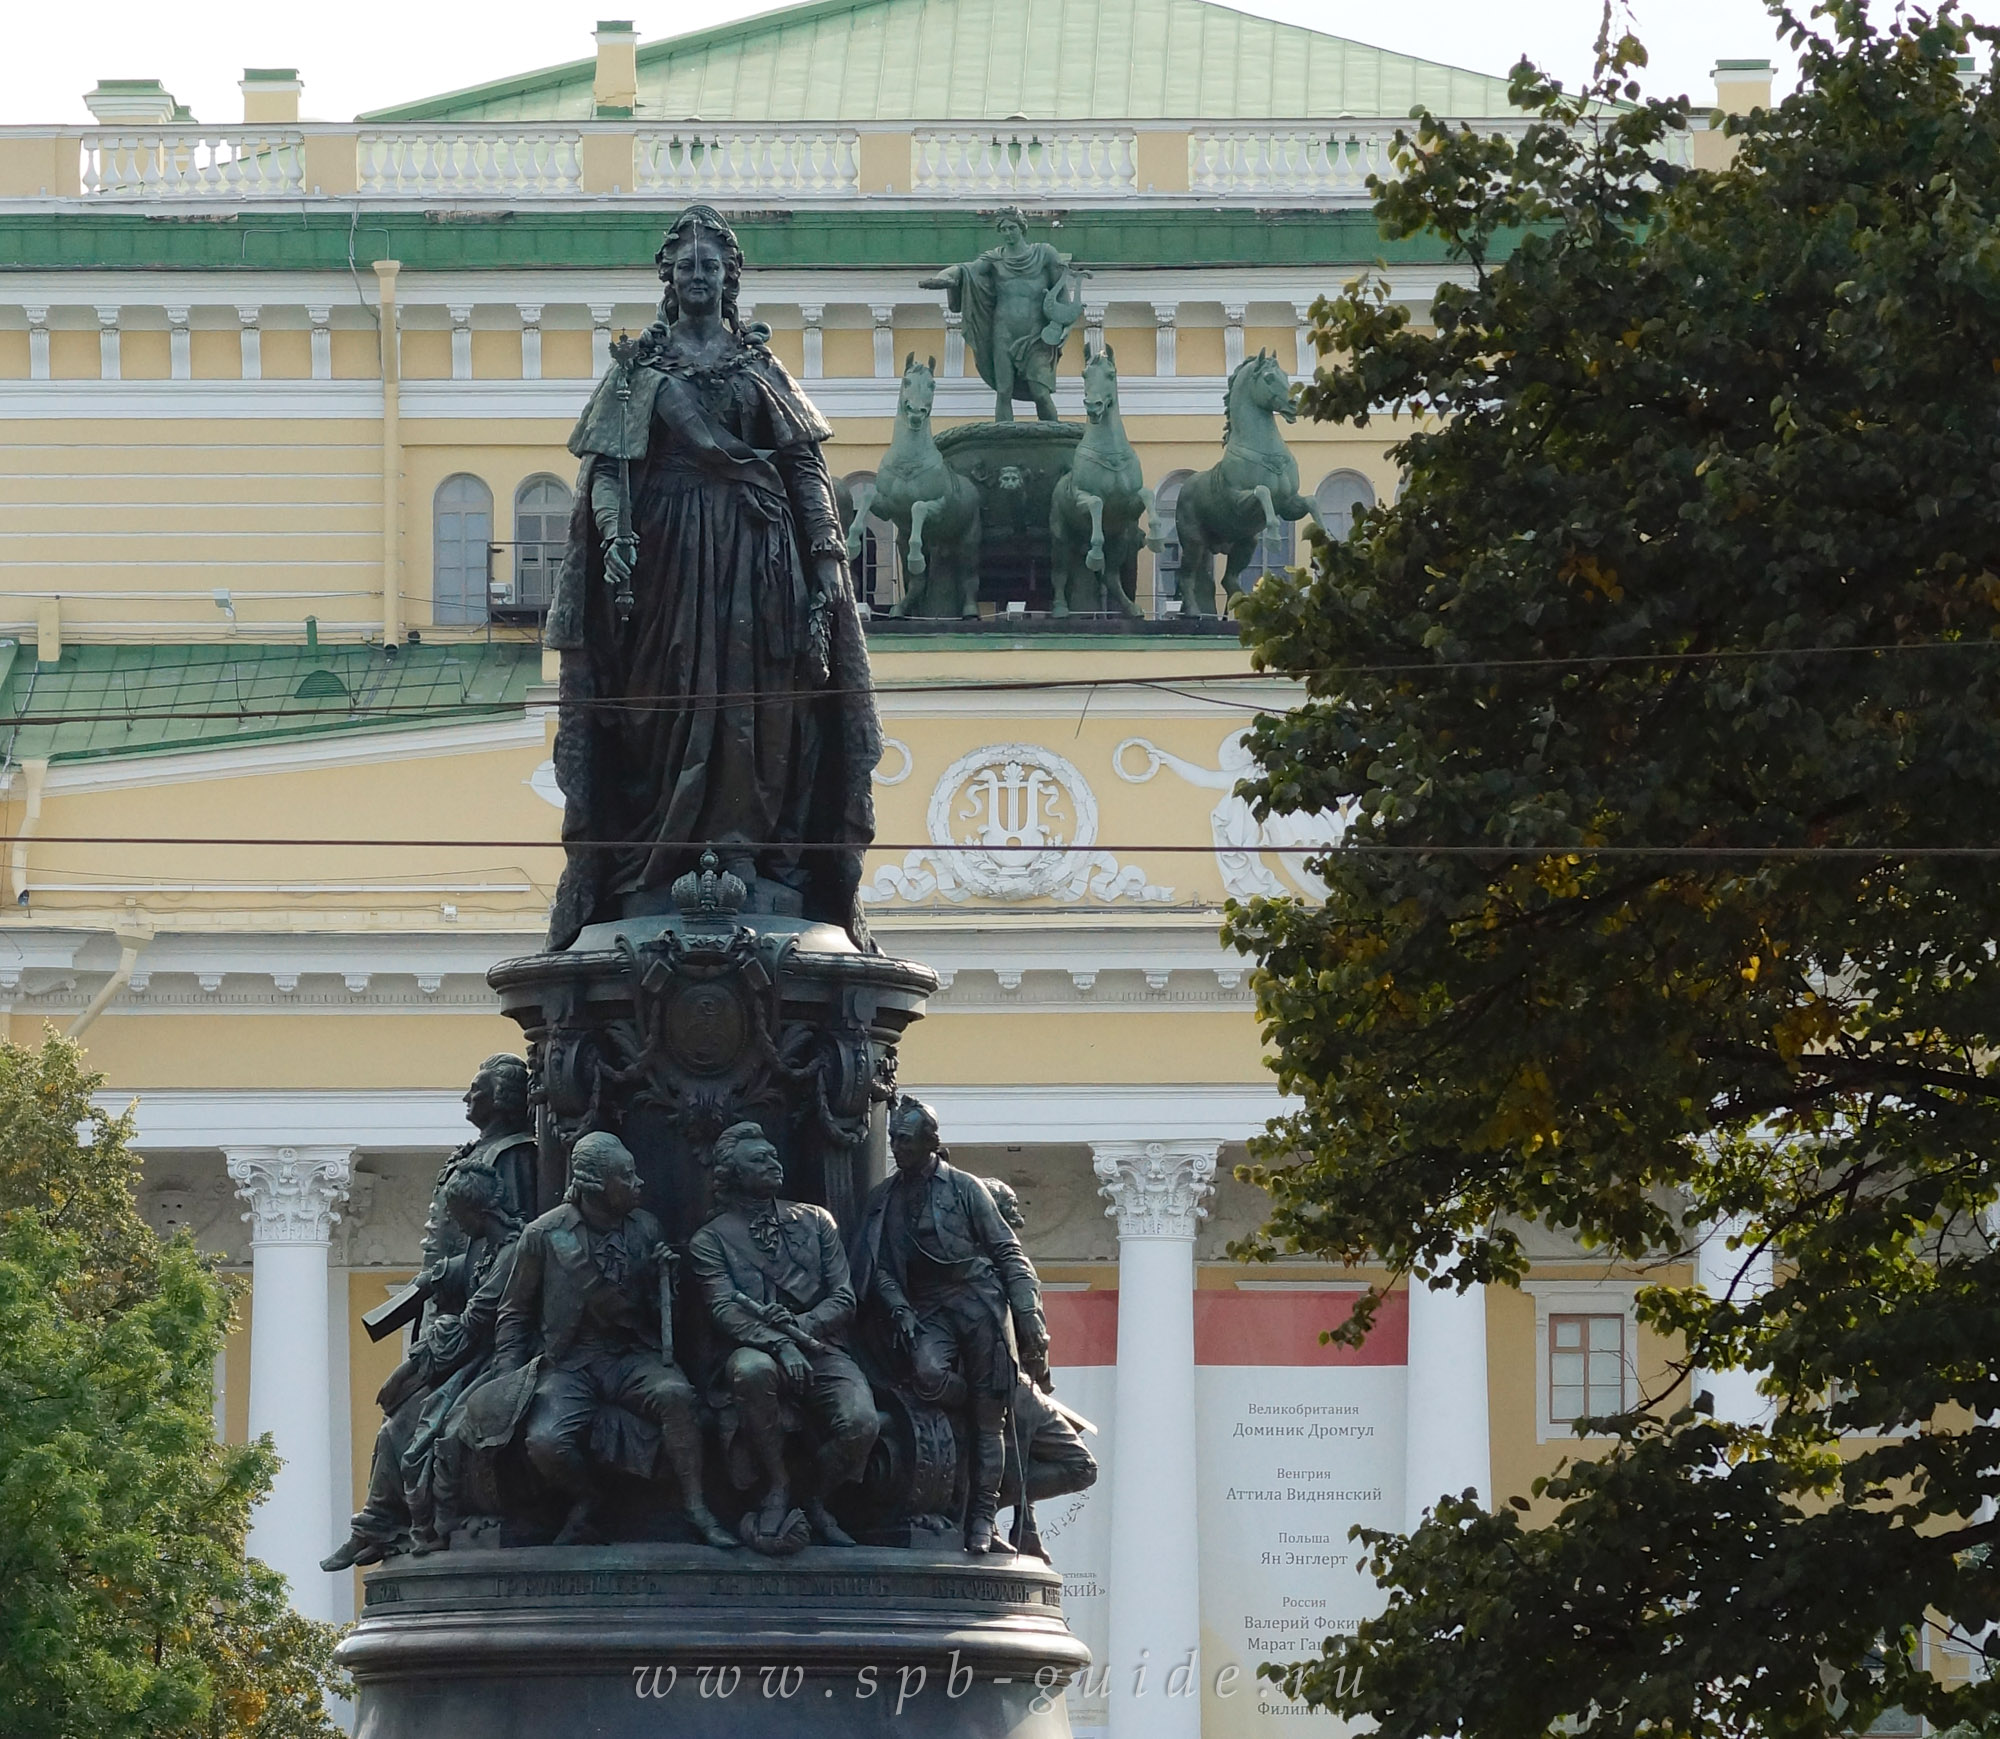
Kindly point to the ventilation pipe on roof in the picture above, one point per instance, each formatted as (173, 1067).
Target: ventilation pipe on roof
(615, 92)
(270, 96)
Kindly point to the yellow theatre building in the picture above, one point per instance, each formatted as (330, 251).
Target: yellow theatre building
(283, 480)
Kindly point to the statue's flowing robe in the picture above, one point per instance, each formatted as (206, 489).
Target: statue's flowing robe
(974, 291)
(733, 710)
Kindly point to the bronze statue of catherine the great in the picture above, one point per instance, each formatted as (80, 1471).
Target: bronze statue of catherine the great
(715, 688)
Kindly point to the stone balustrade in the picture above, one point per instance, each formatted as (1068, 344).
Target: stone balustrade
(193, 163)
(427, 162)
(1310, 163)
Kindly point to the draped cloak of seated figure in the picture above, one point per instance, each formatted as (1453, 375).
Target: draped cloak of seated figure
(1046, 1454)
(935, 1257)
(584, 1360)
(773, 1279)
(447, 1358)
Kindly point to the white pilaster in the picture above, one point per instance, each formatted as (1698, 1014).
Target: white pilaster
(109, 364)
(531, 339)
(600, 335)
(180, 345)
(954, 346)
(1165, 350)
(1232, 336)
(1740, 1274)
(1308, 351)
(810, 317)
(461, 340)
(884, 315)
(1093, 327)
(321, 321)
(1158, 1191)
(1448, 1448)
(248, 317)
(294, 1195)
(38, 342)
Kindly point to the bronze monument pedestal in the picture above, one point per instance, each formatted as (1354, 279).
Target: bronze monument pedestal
(682, 1642)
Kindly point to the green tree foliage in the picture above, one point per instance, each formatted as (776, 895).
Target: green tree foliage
(1665, 696)
(127, 1608)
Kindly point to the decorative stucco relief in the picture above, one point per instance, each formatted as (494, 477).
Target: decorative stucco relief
(1012, 821)
(1240, 837)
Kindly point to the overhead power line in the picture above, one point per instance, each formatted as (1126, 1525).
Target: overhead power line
(1128, 848)
(1177, 683)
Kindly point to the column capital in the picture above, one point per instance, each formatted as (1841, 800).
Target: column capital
(1165, 314)
(811, 313)
(1157, 1189)
(294, 1193)
(530, 312)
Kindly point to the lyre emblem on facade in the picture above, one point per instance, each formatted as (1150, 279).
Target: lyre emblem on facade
(1015, 806)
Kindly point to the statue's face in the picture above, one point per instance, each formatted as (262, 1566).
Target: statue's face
(698, 273)
(468, 1213)
(1010, 477)
(620, 1191)
(1012, 233)
(758, 1171)
(482, 1098)
(912, 1141)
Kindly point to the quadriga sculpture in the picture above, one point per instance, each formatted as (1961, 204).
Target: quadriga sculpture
(1229, 506)
(935, 511)
(1095, 513)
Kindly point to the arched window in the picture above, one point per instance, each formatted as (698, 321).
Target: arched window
(1167, 563)
(875, 572)
(461, 529)
(1339, 497)
(541, 531)
(1276, 550)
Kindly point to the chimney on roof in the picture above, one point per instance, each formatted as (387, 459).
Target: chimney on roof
(270, 96)
(615, 93)
(1742, 85)
(132, 102)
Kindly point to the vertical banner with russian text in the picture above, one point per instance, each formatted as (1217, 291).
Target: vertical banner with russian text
(1083, 1357)
(1296, 1443)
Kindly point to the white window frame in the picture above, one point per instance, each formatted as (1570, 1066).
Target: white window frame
(1580, 1298)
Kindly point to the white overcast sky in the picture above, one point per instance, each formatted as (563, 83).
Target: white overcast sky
(366, 54)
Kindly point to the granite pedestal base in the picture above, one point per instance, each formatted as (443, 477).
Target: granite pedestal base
(685, 1642)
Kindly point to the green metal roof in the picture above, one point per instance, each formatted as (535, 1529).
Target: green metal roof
(602, 240)
(102, 701)
(901, 61)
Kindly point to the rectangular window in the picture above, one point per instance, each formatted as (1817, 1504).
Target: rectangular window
(1586, 1367)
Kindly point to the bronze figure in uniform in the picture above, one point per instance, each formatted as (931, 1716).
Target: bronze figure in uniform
(585, 1350)
(447, 1358)
(773, 1279)
(496, 1104)
(937, 1259)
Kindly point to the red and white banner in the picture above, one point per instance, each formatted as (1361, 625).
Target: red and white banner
(1296, 1442)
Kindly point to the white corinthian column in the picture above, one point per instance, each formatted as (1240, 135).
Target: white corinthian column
(294, 1194)
(1158, 1191)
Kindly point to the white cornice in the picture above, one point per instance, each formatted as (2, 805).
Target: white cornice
(200, 1118)
(555, 401)
(340, 749)
(1270, 293)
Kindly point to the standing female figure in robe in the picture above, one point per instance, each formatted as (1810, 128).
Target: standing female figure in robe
(715, 688)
